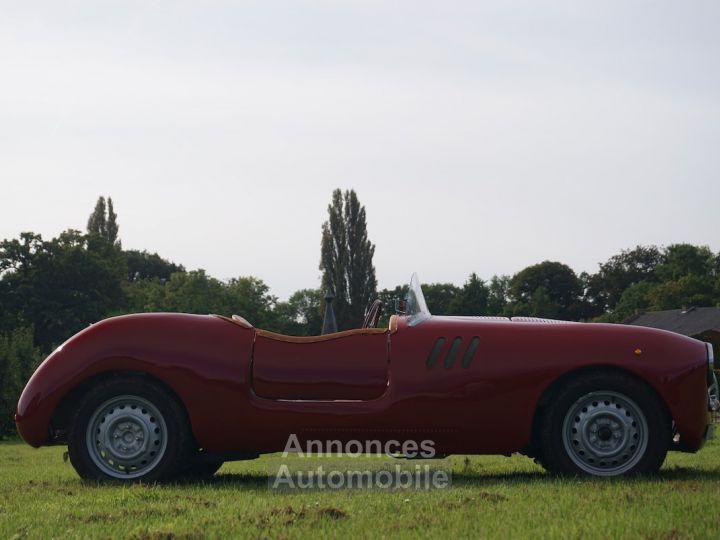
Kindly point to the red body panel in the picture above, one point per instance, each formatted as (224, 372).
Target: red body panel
(247, 392)
(349, 367)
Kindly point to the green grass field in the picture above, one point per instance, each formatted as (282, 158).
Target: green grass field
(41, 497)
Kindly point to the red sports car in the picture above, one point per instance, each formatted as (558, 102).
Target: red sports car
(151, 396)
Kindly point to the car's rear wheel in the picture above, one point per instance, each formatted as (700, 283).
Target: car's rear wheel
(604, 424)
(129, 429)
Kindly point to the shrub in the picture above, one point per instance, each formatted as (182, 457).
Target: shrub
(18, 359)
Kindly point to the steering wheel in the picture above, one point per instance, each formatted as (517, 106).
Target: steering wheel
(373, 314)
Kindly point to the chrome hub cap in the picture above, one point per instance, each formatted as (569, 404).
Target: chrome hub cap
(605, 433)
(126, 437)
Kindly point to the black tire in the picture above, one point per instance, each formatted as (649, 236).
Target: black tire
(604, 424)
(129, 429)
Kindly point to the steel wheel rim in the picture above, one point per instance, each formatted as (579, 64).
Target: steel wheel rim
(126, 437)
(605, 433)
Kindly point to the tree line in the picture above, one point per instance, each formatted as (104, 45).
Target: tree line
(51, 289)
(645, 278)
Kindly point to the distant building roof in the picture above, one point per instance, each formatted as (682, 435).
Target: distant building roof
(690, 322)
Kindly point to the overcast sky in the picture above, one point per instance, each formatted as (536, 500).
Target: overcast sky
(480, 136)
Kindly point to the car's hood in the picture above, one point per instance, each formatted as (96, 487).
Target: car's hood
(504, 319)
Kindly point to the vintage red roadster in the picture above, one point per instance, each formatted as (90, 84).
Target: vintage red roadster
(153, 396)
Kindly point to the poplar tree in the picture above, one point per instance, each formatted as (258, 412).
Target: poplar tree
(346, 259)
(103, 221)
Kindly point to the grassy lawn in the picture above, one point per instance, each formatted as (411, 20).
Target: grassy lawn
(41, 497)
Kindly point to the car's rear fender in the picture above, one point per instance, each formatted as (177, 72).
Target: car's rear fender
(202, 359)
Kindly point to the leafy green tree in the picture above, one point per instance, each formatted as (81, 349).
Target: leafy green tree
(542, 305)
(194, 292)
(112, 227)
(10, 384)
(16, 267)
(60, 286)
(103, 221)
(301, 315)
(472, 298)
(633, 301)
(346, 259)
(97, 222)
(684, 259)
(605, 288)
(498, 292)
(560, 294)
(439, 297)
(585, 309)
(686, 275)
(251, 298)
(144, 265)
(145, 296)
(686, 291)
(285, 320)
(18, 359)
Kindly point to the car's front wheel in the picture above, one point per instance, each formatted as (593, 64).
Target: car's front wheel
(604, 424)
(128, 429)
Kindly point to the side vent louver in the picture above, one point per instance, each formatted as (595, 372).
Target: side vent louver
(452, 353)
(435, 352)
(470, 352)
